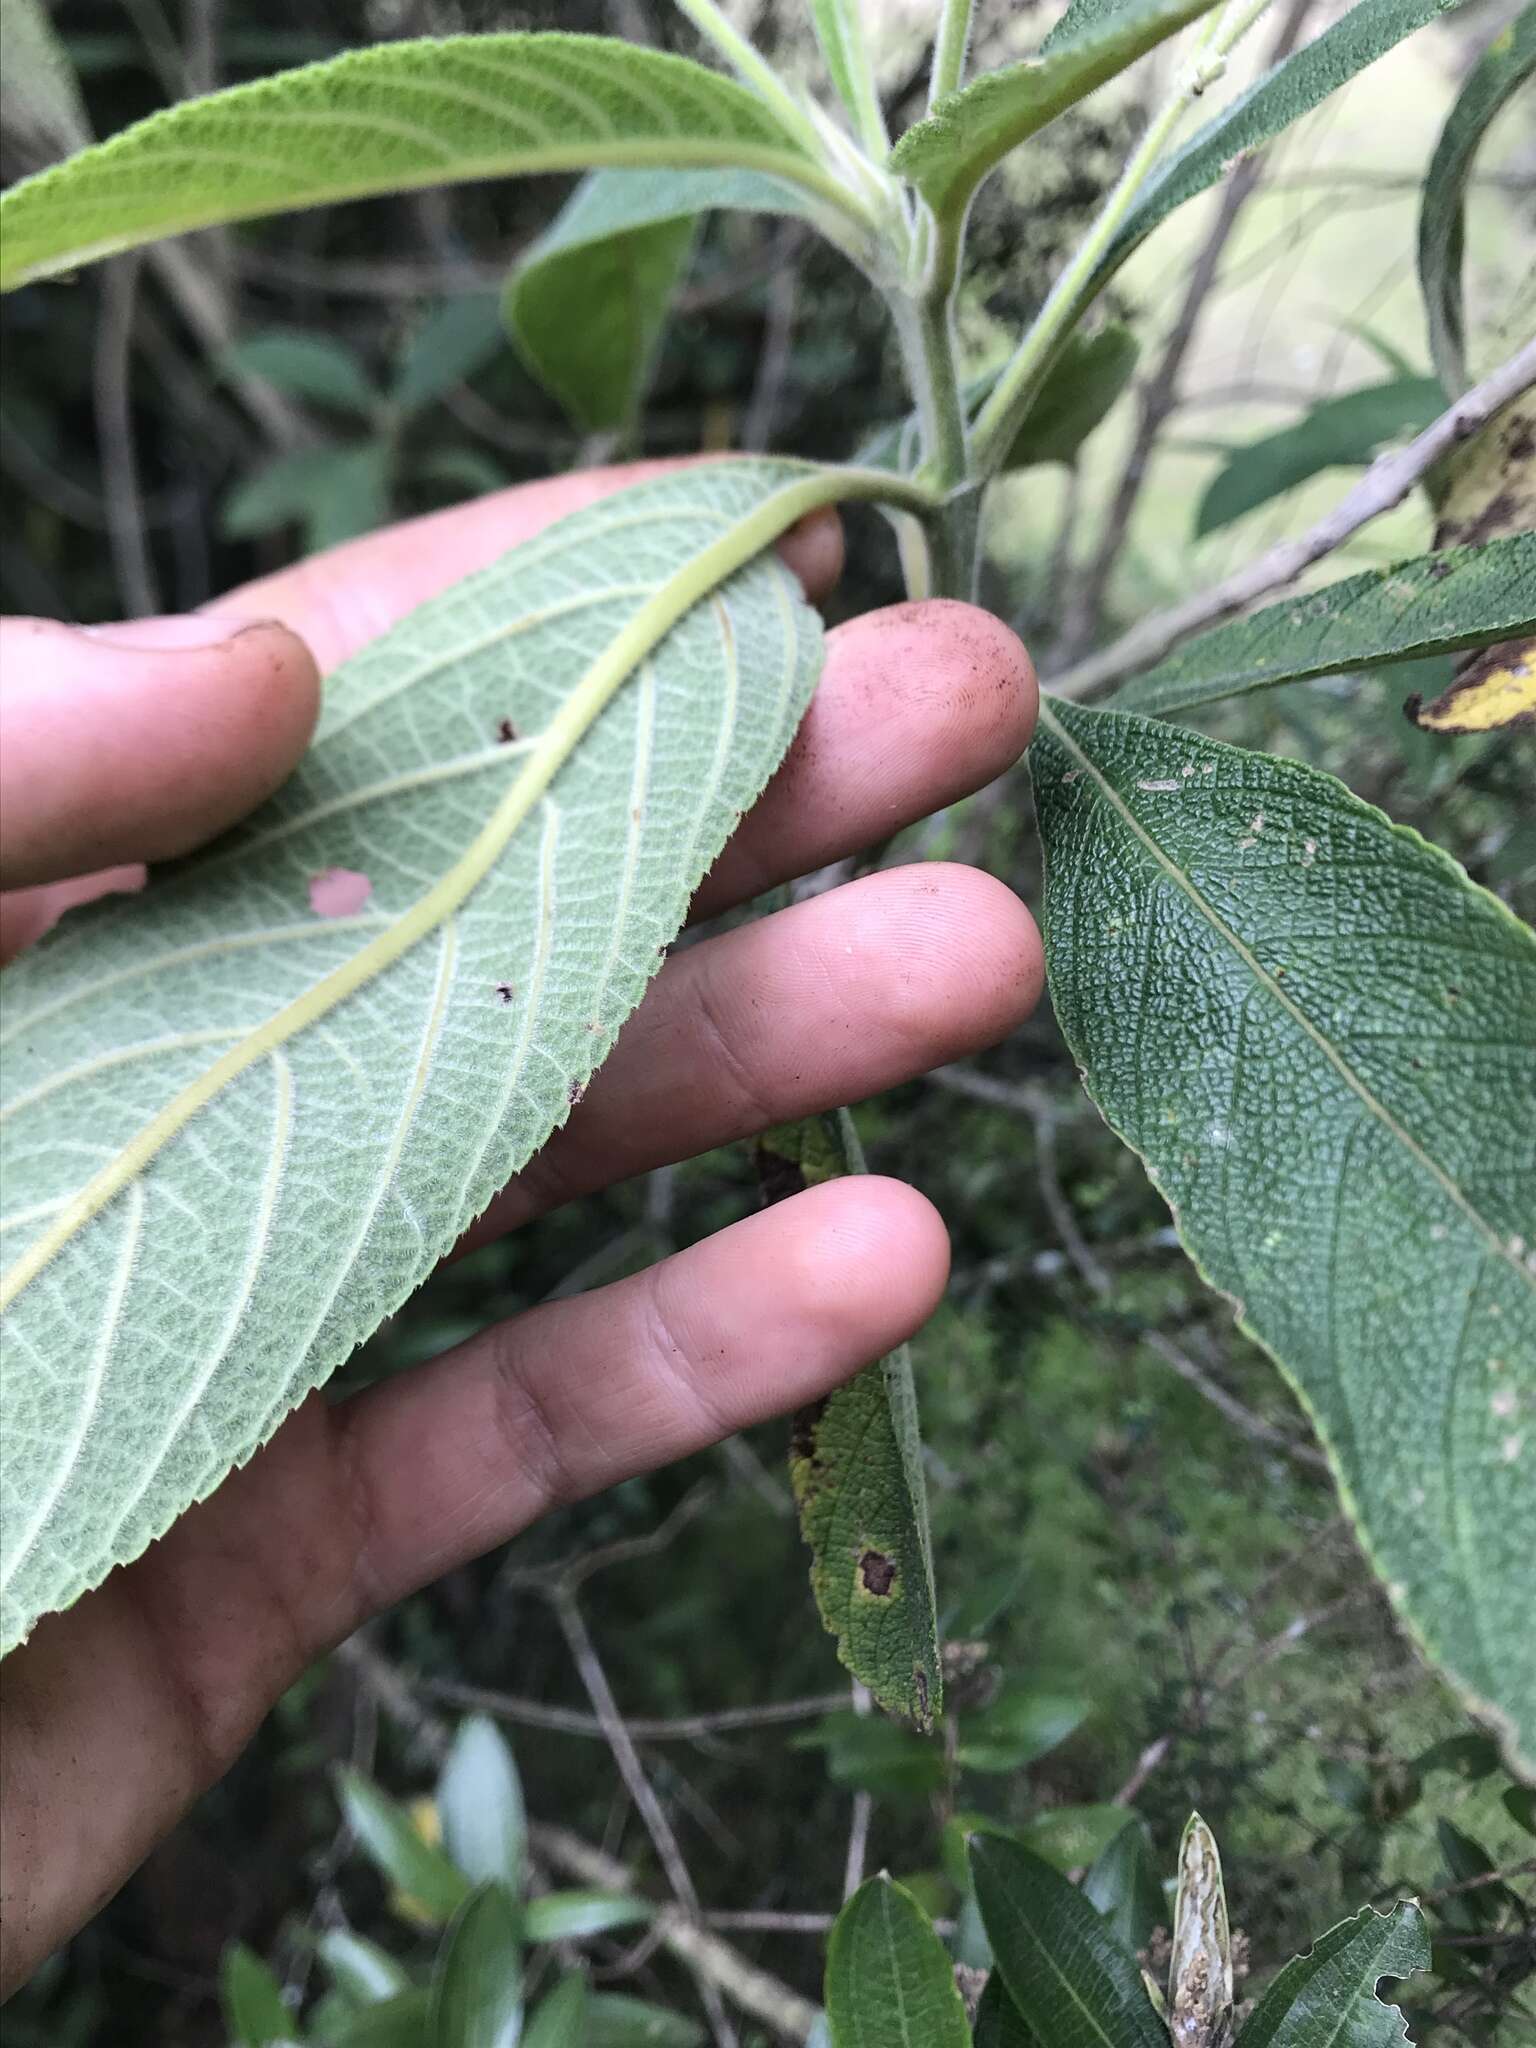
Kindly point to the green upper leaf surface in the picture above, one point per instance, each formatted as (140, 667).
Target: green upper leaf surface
(308, 366)
(1434, 604)
(856, 1469)
(397, 116)
(1283, 94)
(1123, 1886)
(477, 1979)
(890, 1982)
(1327, 1998)
(586, 304)
(1504, 67)
(247, 1111)
(560, 2020)
(968, 133)
(1335, 433)
(1072, 1981)
(253, 2000)
(1326, 1055)
(614, 2020)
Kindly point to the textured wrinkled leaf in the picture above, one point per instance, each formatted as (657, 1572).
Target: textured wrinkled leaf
(387, 1835)
(1082, 17)
(254, 2010)
(968, 133)
(307, 365)
(1123, 1886)
(39, 93)
(1281, 95)
(575, 1916)
(1200, 1962)
(1504, 67)
(476, 1996)
(359, 1968)
(1074, 1984)
(998, 2022)
(587, 302)
(560, 2020)
(451, 343)
(617, 2021)
(331, 1038)
(480, 1805)
(1335, 433)
(855, 1464)
(890, 1982)
(1434, 604)
(397, 116)
(1326, 1056)
(1327, 1998)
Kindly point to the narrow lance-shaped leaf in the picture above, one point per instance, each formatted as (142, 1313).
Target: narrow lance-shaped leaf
(856, 1467)
(365, 1973)
(1283, 94)
(890, 1982)
(1434, 604)
(1200, 1962)
(253, 2000)
(586, 304)
(480, 1805)
(246, 1112)
(1507, 64)
(395, 117)
(839, 26)
(968, 133)
(477, 1980)
(1333, 434)
(614, 2020)
(575, 1916)
(1072, 1981)
(1326, 1055)
(999, 2023)
(1327, 1998)
(560, 2020)
(418, 1871)
(1123, 1886)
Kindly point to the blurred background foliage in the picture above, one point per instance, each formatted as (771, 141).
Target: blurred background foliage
(1146, 1581)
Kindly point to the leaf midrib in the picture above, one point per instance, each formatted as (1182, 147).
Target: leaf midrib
(1267, 982)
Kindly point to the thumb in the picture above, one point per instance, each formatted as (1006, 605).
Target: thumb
(136, 742)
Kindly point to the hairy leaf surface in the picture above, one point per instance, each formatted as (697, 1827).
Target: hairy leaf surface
(1327, 1998)
(1326, 1055)
(1072, 1981)
(1336, 432)
(890, 1982)
(969, 132)
(395, 117)
(856, 1469)
(1507, 64)
(1434, 604)
(246, 1112)
(587, 302)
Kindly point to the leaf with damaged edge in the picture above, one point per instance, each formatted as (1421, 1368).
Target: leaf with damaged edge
(1329, 1068)
(890, 1982)
(247, 1111)
(586, 304)
(856, 1468)
(1434, 604)
(1505, 66)
(1074, 1984)
(969, 132)
(1327, 1998)
(396, 117)
(1281, 95)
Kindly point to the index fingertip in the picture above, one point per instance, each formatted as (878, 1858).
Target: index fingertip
(813, 550)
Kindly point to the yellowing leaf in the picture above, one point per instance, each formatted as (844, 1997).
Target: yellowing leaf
(1497, 690)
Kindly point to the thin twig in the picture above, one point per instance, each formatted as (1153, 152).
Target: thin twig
(773, 366)
(1385, 484)
(504, 1706)
(863, 1807)
(114, 433)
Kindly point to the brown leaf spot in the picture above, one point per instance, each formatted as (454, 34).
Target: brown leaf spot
(877, 1573)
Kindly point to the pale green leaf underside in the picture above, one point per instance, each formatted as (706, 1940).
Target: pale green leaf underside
(1326, 1054)
(890, 1981)
(1504, 67)
(586, 304)
(241, 1262)
(1283, 94)
(1327, 1998)
(1434, 604)
(394, 117)
(947, 155)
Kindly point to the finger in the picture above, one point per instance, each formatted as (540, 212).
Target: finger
(917, 707)
(571, 1398)
(137, 742)
(836, 999)
(342, 599)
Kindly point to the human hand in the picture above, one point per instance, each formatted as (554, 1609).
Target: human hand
(138, 743)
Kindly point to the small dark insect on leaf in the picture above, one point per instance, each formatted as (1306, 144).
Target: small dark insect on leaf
(505, 991)
(506, 731)
(575, 1092)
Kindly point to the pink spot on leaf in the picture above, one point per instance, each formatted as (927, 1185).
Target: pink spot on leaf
(338, 892)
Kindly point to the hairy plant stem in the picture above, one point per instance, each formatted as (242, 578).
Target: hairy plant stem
(752, 68)
(949, 48)
(1015, 390)
(925, 326)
